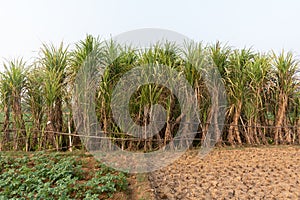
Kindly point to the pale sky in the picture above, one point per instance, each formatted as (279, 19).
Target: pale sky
(262, 24)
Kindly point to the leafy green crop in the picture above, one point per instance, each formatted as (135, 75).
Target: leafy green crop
(56, 176)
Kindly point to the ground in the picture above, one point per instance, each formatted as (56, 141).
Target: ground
(269, 172)
(245, 173)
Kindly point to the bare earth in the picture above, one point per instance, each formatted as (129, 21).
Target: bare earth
(247, 173)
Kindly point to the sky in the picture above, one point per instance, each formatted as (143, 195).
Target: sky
(261, 24)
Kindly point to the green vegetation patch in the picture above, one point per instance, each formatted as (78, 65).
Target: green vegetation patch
(57, 176)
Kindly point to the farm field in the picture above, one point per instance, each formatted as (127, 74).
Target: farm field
(42, 175)
(270, 172)
(246, 173)
(103, 100)
(243, 98)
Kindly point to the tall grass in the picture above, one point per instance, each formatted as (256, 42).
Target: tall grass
(261, 92)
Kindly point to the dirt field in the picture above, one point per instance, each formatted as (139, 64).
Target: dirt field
(247, 173)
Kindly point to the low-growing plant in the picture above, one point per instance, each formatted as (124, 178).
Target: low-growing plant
(56, 176)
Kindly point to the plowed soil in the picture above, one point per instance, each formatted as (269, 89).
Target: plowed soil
(244, 173)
